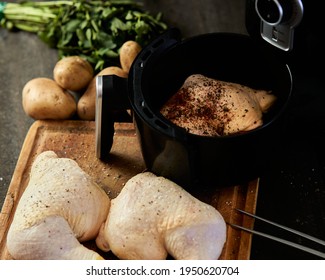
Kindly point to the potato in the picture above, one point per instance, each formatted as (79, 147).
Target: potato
(128, 52)
(43, 98)
(86, 108)
(73, 73)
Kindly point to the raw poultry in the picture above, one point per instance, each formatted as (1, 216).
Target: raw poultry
(153, 217)
(211, 107)
(61, 207)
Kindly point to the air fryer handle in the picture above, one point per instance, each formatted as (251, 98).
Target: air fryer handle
(111, 105)
(112, 98)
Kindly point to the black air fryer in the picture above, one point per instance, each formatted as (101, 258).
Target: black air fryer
(277, 30)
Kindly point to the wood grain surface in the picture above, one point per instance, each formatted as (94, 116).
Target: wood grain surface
(76, 140)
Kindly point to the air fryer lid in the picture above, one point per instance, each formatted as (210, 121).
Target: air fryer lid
(191, 160)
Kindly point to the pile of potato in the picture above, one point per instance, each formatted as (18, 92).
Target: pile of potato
(45, 98)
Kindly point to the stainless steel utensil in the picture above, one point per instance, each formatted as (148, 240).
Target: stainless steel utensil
(281, 240)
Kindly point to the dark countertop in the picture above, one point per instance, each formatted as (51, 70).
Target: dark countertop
(22, 58)
(292, 191)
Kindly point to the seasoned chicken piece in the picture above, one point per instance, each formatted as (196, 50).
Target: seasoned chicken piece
(61, 207)
(152, 216)
(210, 107)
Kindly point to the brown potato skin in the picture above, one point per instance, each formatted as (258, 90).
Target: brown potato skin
(86, 108)
(43, 98)
(73, 73)
(128, 52)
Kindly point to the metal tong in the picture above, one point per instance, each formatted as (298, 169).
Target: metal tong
(283, 241)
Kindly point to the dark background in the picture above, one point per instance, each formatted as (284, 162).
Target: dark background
(292, 188)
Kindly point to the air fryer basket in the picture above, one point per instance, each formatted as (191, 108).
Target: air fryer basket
(199, 161)
(159, 71)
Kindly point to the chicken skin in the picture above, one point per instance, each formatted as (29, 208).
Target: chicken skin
(209, 107)
(61, 207)
(153, 217)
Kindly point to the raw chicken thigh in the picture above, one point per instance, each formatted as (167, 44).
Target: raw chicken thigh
(152, 216)
(210, 107)
(61, 207)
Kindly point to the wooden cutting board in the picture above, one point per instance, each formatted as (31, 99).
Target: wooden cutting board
(76, 140)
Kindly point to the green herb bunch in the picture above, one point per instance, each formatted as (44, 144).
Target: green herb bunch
(94, 30)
